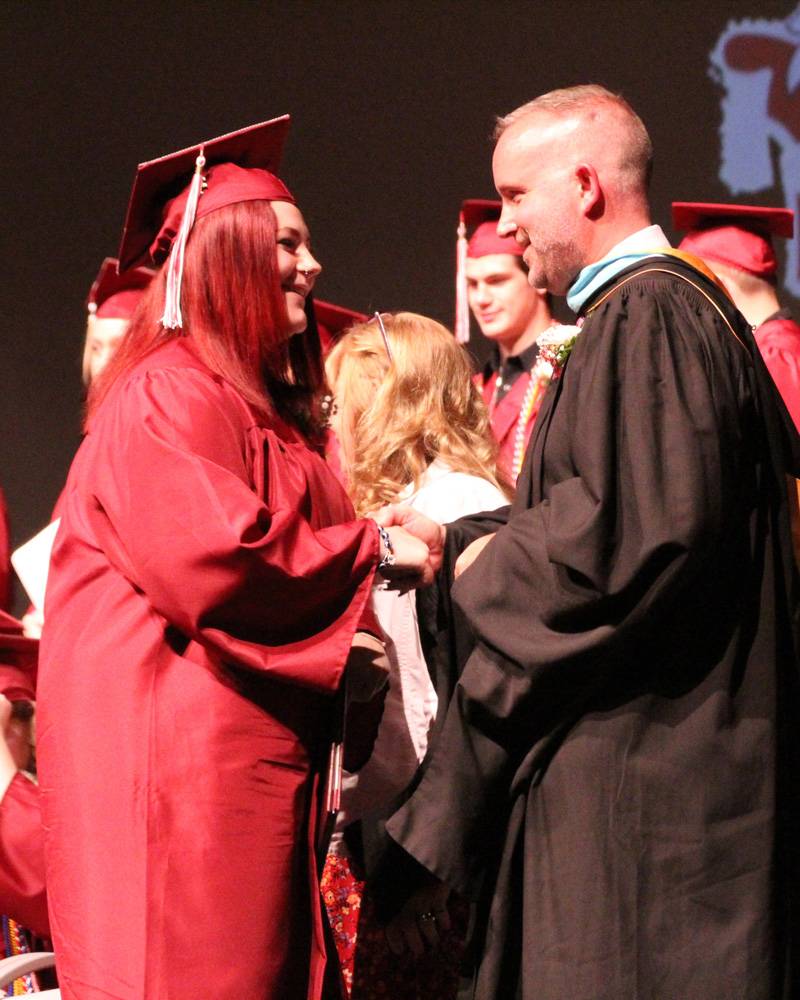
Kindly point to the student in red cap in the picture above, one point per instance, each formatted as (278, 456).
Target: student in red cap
(23, 899)
(208, 593)
(332, 321)
(112, 301)
(736, 242)
(110, 306)
(492, 281)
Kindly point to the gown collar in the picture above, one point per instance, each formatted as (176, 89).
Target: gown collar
(647, 242)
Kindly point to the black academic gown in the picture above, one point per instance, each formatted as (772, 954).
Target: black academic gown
(615, 781)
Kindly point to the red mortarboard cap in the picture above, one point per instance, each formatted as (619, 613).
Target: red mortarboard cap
(18, 660)
(161, 187)
(115, 296)
(482, 216)
(737, 235)
(333, 320)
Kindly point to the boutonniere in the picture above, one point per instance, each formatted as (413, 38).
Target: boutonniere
(555, 346)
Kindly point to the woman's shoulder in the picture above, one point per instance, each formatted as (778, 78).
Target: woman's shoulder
(171, 382)
(446, 494)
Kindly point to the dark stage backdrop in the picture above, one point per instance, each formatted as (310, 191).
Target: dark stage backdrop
(393, 104)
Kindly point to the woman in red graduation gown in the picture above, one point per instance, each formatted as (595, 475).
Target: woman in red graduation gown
(205, 589)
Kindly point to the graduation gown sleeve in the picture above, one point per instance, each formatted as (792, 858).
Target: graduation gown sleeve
(778, 340)
(178, 507)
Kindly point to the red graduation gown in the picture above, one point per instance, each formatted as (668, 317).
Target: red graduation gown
(205, 586)
(22, 888)
(778, 340)
(505, 416)
(22, 874)
(5, 557)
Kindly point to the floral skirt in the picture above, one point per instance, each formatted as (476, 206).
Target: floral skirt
(370, 970)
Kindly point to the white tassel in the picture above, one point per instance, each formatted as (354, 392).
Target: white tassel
(172, 318)
(462, 305)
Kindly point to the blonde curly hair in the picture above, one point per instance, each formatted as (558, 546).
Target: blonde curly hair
(397, 415)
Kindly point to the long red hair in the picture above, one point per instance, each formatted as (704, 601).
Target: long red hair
(235, 314)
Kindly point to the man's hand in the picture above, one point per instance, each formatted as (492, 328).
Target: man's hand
(421, 920)
(397, 516)
(471, 553)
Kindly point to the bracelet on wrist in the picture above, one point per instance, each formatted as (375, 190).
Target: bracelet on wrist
(387, 559)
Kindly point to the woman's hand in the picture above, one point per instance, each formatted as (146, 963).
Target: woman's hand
(421, 920)
(367, 667)
(401, 522)
(470, 554)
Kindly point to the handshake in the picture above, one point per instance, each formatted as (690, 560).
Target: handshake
(417, 544)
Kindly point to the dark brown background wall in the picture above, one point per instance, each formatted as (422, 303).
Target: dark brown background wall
(392, 103)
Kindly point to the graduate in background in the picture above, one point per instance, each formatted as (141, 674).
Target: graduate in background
(492, 282)
(5, 556)
(208, 592)
(112, 301)
(332, 321)
(736, 242)
(23, 899)
(110, 306)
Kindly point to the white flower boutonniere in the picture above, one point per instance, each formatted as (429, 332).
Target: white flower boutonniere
(554, 346)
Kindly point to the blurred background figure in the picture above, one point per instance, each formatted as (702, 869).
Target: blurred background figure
(736, 243)
(332, 321)
(413, 430)
(23, 900)
(5, 556)
(492, 282)
(112, 301)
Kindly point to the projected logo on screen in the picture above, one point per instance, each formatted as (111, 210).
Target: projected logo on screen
(758, 64)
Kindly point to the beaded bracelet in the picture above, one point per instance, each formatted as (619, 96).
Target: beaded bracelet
(387, 559)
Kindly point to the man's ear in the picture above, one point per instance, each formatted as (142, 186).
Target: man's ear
(590, 191)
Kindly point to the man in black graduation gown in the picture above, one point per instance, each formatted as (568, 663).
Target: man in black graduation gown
(616, 780)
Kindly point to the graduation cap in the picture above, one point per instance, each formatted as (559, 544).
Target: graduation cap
(737, 235)
(18, 660)
(333, 320)
(114, 295)
(170, 193)
(481, 216)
